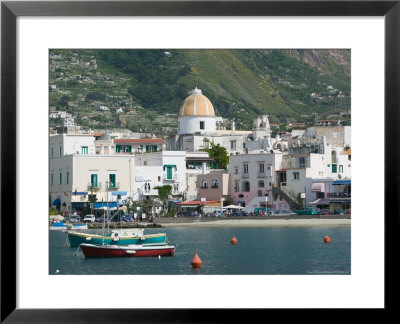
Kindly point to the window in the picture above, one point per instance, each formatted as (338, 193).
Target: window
(204, 184)
(154, 148)
(51, 179)
(159, 178)
(84, 150)
(205, 144)
(245, 168)
(259, 193)
(261, 168)
(202, 125)
(302, 162)
(236, 186)
(245, 186)
(333, 156)
(340, 168)
(52, 152)
(236, 171)
(233, 145)
(261, 184)
(214, 183)
(169, 172)
(61, 150)
(93, 180)
(112, 181)
(336, 134)
(296, 175)
(67, 179)
(60, 177)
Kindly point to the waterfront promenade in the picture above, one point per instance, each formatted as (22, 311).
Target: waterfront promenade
(244, 221)
(255, 221)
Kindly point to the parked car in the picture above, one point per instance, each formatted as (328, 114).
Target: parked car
(74, 219)
(219, 212)
(324, 212)
(126, 218)
(264, 210)
(89, 219)
(102, 219)
(306, 211)
(284, 212)
(240, 213)
(188, 213)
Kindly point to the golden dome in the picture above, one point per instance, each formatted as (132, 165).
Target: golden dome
(196, 105)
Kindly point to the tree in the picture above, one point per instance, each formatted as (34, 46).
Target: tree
(163, 193)
(218, 153)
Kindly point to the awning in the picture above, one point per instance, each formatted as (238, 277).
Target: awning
(318, 187)
(320, 201)
(340, 202)
(119, 193)
(104, 204)
(169, 166)
(342, 182)
(57, 202)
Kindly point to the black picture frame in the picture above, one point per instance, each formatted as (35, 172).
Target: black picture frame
(10, 10)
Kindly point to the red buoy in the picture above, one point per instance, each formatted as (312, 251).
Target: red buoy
(234, 240)
(196, 262)
(327, 239)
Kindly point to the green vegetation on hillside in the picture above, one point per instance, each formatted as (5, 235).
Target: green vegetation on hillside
(143, 89)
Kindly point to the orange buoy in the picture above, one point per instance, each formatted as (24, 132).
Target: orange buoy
(327, 239)
(196, 262)
(234, 240)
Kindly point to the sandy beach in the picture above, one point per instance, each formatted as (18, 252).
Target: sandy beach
(245, 222)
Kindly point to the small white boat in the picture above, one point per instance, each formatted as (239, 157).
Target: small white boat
(60, 226)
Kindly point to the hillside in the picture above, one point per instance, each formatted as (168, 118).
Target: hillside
(143, 89)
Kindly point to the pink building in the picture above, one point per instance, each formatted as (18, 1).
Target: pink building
(213, 185)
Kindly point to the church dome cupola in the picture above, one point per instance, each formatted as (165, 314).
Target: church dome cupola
(196, 104)
(196, 114)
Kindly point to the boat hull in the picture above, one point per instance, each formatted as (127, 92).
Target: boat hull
(112, 251)
(76, 239)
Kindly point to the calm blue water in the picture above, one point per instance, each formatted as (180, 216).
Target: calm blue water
(263, 251)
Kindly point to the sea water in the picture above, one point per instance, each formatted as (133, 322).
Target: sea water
(259, 251)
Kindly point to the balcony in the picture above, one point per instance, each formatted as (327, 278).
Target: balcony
(260, 174)
(245, 175)
(113, 186)
(170, 178)
(93, 186)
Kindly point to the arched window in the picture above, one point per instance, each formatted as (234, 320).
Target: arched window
(245, 186)
(214, 183)
(204, 183)
(261, 184)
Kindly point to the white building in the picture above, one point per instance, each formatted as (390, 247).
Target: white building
(197, 123)
(63, 144)
(158, 169)
(74, 178)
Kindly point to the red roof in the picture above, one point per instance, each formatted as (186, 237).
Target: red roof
(197, 202)
(98, 134)
(139, 140)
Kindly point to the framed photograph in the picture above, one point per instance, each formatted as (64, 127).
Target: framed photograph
(40, 38)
